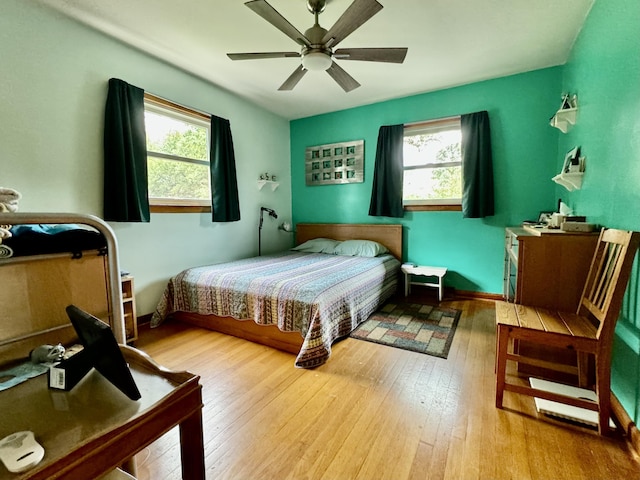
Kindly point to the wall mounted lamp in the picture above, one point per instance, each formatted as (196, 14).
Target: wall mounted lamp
(272, 214)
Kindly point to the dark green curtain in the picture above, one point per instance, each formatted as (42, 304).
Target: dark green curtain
(388, 174)
(125, 155)
(225, 206)
(477, 166)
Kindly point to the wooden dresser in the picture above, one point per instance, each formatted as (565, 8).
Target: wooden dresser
(546, 268)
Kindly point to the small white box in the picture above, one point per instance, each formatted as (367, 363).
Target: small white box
(562, 410)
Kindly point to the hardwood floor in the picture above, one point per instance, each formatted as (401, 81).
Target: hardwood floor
(371, 412)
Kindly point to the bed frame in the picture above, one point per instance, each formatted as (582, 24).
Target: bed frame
(390, 235)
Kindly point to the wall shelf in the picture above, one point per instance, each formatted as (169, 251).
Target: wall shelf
(271, 183)
(570, 180)
(563, 120)
(565, 117)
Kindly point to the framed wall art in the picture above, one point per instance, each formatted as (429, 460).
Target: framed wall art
(335, 163)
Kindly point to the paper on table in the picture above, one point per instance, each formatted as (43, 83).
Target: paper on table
(21, 373)
(564, 209)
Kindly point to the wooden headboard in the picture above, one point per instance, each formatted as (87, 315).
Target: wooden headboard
(389, 235)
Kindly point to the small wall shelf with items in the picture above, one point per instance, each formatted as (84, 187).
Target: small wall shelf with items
(266, 179)
(129, 308)
(572, 171)
(566, 116)
(570, 181)
(271, 183)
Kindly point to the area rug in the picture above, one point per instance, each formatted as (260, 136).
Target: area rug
(411, 326)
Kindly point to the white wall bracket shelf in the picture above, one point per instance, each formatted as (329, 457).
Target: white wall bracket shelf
(570, 180)
(564, 119)
(271, 183)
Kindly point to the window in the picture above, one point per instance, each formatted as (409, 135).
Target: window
(177, 156)
(432, 165)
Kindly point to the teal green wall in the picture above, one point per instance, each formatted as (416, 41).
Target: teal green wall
(604, 70)
(525, 153)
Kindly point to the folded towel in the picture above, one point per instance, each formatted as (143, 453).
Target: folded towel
(8, 203)
(9, 195)
(8, 207)
(5, 251)
(9, 199)
(4, 229)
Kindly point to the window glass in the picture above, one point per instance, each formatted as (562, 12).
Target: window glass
(177, 157)
(432, 163)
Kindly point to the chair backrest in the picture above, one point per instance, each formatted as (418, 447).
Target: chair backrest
(608, 278)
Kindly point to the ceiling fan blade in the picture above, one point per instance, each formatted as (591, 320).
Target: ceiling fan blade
(389, 55)
(271, 15)
(342, 78)
(258, 56)
(358, 13)
(293, 79)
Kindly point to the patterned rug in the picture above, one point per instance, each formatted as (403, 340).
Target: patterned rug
(412, 326)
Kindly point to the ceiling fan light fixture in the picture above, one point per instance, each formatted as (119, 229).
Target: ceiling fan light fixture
(317, 43)
(316, 61)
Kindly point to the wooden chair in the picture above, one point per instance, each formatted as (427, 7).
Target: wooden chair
(589, 332)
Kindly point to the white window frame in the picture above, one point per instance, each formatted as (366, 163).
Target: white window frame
(430, 127)
(164, 107)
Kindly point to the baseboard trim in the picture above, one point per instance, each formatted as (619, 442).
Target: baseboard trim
(142, 319)
(630, 429)
(477, 295)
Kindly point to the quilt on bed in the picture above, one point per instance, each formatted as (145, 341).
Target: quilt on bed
(324, 297)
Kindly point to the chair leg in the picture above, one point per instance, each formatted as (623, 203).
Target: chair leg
(495, 361)
(603, 391)
(583, 369)
(501, 362)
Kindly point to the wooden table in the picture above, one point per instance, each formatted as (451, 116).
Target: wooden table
(94, 428)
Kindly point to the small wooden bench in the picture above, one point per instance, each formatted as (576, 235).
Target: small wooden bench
(437, 272)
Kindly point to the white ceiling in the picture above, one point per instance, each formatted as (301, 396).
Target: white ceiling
(450, 42)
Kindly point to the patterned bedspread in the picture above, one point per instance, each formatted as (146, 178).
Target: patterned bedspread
(324, 297)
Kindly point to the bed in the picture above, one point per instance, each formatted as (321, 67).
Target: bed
(297, 301)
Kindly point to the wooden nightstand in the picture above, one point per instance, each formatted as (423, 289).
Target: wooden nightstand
(129, 308)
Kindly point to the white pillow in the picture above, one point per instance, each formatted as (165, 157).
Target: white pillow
(360, 248)
(317, 245)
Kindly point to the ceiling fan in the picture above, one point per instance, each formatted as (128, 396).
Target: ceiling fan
(318, 43)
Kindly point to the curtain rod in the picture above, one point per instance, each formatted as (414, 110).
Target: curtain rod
(170, 103)
(432, 122)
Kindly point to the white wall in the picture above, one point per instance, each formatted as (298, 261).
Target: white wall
(53, 85)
